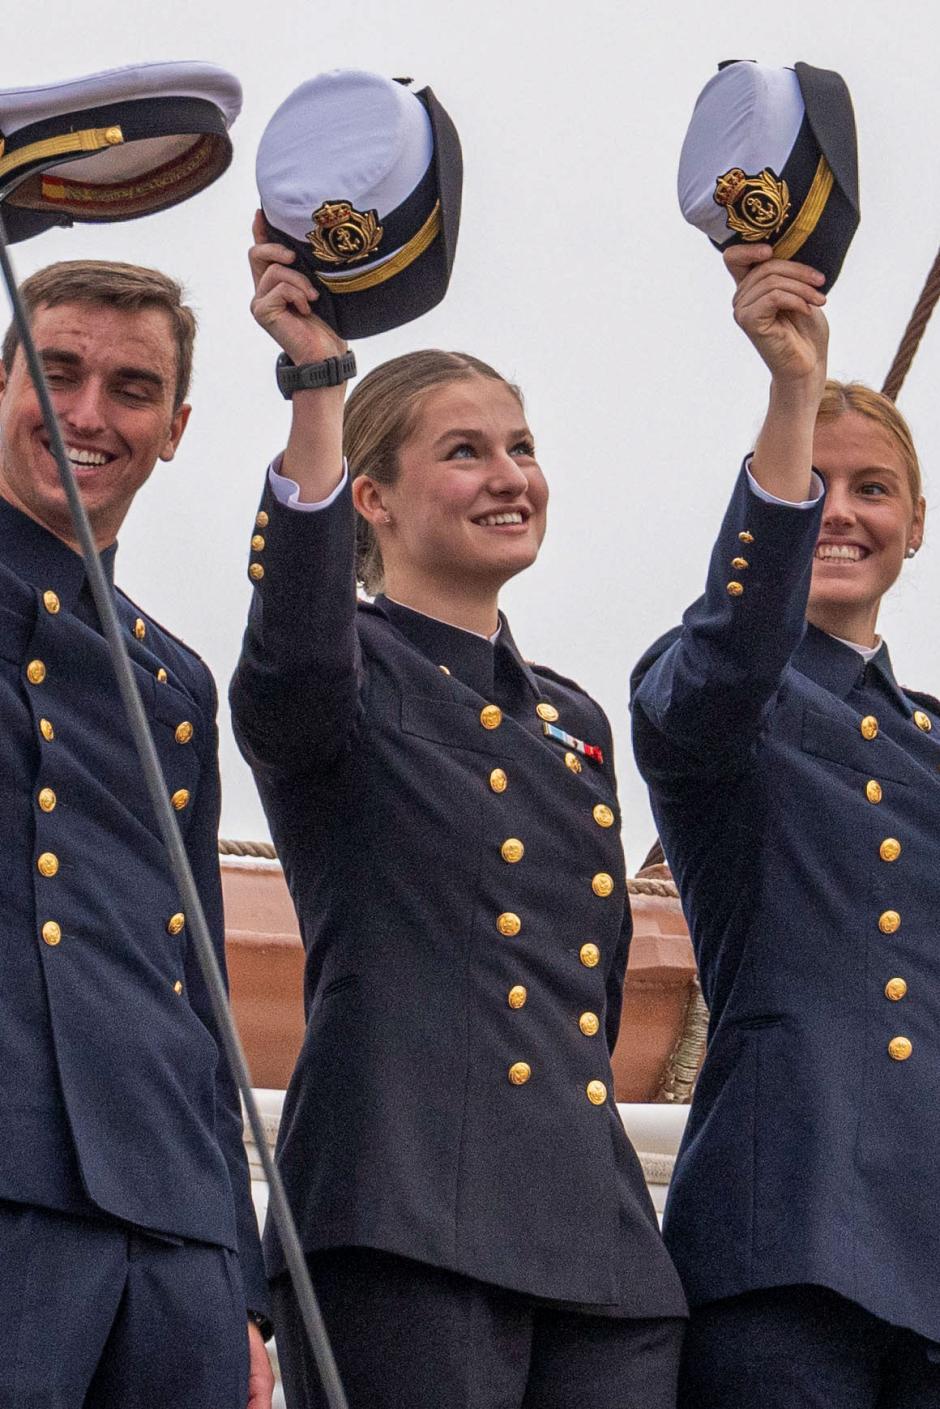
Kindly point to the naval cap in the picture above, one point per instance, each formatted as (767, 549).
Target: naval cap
(113, 145)
(361, 177)
(771, 155)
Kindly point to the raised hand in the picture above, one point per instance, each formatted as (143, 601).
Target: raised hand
(778, 304)
(284, 301)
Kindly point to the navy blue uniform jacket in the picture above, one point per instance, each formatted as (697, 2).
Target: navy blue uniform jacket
(798, 797)
(113, 1098)
(390, 803)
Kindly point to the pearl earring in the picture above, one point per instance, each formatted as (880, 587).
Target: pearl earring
(911, 553)
(388, 518)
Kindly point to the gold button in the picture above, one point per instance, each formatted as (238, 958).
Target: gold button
(890, 849)
(589, 1024)
(603, 815)
(873, 790)
(257, 543)
(113, 136)
(498, 781)
(256, 572)
(596, 1093)
(51, 933)
(546, 711)
(140, 628)
(180, 798)
(512, 850)
(889, 922)
(35, 672)
(519, 1073)
(895, 989)
(746, 537)
(509, 924)
(51, 602)
(517, 996)
(735, 589)
(261, 519)
(184, 732)
(491, 716)
(162, 676)
(46, 799)
(47, 863)
(573, 762)
(739, 564)
(46, 730)
(177, 988)
(900, 1048)
(175, 923)
(602, 884)
(443, 669)
(869, 727)
(922, 721)
(590, 955)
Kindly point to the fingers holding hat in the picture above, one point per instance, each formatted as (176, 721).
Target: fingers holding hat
(285, 299)
(778, 305)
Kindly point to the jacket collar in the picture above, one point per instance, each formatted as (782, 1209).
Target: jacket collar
(36, 556)
(839, 669)
(467, 656)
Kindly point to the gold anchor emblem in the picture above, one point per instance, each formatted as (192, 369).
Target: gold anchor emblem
(756, 206)
(342, 234)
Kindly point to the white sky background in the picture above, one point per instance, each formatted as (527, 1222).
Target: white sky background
(575, 274)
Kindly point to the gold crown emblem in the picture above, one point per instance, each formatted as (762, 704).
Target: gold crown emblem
(342, 234)
(729, 186)
(757, 206)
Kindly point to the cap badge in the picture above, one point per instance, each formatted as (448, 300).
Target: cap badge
(756, 206)
(344, 234)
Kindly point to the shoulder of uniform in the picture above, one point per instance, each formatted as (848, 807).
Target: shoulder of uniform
(922, 698)
(546, 672)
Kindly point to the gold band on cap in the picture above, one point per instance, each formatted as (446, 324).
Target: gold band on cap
(92, 139)
(371, 278)
(807, 217)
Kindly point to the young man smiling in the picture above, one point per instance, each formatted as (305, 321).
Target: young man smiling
(129, 1259)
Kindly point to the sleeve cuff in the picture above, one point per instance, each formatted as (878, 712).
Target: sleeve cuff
(287, 491)
(755, 488)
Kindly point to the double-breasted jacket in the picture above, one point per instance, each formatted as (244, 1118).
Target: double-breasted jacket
(113, 1098)
(797, 790)
(461, 890)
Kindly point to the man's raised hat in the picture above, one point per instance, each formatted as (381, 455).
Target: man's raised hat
(113, 145)
(362, 178)
(771, 155)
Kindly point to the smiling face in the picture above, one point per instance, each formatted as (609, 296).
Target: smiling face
(869, 522)
(112, 378)
(469, 503)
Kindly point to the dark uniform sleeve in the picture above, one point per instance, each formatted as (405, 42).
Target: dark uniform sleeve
(202, 845)
(295, 692)
(701, 695)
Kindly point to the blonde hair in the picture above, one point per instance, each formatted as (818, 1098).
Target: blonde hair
(381, 414)
(842, 397)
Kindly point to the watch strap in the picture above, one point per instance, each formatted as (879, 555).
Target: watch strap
(332, 371)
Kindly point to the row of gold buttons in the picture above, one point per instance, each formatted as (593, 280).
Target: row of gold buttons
(735, 588)
(889, 921)
(258, 545)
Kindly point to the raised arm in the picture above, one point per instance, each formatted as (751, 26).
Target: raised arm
(700, 697)
(295, 691)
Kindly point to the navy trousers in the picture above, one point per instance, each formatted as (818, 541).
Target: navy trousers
(409, 1336)
(803, 1348)
(97, 1316)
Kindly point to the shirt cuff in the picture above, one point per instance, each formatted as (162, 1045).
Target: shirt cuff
(287, 491)
(817, 484)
